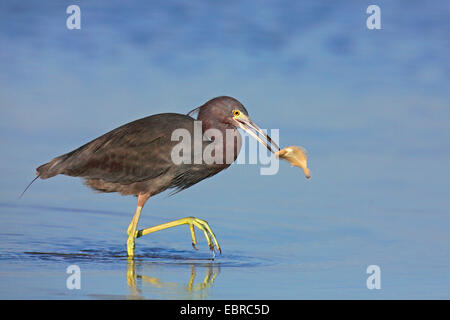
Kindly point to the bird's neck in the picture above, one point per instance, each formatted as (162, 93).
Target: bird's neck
(226, 137)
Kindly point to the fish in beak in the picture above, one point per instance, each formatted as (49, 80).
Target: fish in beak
(296, 156)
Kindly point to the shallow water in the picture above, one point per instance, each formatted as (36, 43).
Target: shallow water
(287, 262)
(371, 108)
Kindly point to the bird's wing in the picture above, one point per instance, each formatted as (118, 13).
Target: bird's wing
(138, 151)
(121, 161)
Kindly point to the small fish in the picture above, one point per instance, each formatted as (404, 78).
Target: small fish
(296, 156)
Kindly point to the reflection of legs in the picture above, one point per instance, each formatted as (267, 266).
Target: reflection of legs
(207, 281)
(131, 231)
(131, 276)
(191, 221)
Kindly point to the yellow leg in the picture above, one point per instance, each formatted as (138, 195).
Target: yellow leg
(191, 221)
(131, 231)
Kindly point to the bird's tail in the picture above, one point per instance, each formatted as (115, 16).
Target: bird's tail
(51, 168)
(46, 171)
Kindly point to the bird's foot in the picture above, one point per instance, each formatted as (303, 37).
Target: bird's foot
(207, 231)
(191, 221)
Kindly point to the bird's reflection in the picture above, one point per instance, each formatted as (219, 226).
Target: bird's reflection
(189, 289)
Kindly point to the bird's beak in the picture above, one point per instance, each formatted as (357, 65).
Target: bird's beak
(252, 129)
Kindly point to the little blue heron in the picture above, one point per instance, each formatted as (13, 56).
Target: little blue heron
(136, 159)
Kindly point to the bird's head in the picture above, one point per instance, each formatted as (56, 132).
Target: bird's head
(230, 112)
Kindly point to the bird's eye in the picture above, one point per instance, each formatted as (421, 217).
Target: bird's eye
(236, 113)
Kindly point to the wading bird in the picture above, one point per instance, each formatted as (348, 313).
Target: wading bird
(137, 159)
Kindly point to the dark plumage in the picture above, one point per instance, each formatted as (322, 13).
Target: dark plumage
(136, 157)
